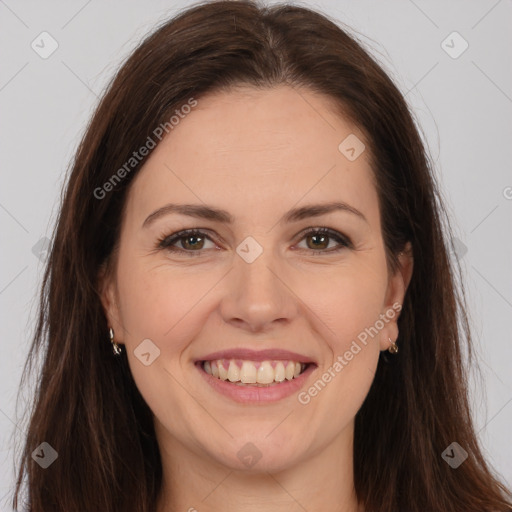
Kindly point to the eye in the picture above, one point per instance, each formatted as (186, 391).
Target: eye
(318, 240)
(193, 241)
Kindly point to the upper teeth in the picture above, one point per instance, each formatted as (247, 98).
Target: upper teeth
(249, 372)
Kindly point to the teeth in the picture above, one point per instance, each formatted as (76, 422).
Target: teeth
(248, 372)
(289, 371)
(223, 373)
(265, 373)
(279, 373)
(233, 372)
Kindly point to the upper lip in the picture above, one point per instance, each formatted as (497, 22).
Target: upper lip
(257, 355)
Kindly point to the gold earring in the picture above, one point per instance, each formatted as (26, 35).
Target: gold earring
(116, 348)
(393, 347)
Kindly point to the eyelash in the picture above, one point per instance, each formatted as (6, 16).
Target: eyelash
(166, 241)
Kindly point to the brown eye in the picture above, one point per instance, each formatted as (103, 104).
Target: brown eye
(192, 242)
(189, 242)
(319, 239)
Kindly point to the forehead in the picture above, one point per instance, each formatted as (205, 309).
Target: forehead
(251, 150)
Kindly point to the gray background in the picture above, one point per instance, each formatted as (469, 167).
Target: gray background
(463, 104)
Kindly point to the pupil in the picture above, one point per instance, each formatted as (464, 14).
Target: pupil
(194, 238)
(316, 237)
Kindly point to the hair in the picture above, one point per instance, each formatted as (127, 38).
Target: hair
(87, 406)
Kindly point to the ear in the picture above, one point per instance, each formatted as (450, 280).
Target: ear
(397, 286)
(108, 295)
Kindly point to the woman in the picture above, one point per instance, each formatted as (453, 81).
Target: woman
(249, 302)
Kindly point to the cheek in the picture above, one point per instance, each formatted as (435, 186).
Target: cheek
(163, 307)
(349, 300)
(160, 304)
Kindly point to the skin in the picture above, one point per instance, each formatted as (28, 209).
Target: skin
(256, 154)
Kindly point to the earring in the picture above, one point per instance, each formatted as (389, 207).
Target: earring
(393, 347)
(116, 348)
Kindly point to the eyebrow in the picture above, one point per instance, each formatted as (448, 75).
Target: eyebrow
(215, 214)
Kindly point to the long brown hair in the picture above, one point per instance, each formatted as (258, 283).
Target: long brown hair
(87, 406)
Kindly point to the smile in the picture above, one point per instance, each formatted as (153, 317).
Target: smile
(255, 381)
(255, 373)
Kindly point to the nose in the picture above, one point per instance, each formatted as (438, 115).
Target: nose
(257, 295)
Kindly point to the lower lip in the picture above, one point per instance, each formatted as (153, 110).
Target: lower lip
(246, 394)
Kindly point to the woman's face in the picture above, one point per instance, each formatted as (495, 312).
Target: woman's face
(257, 283)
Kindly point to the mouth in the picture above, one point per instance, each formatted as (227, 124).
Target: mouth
(255, 382)
(254, 373)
